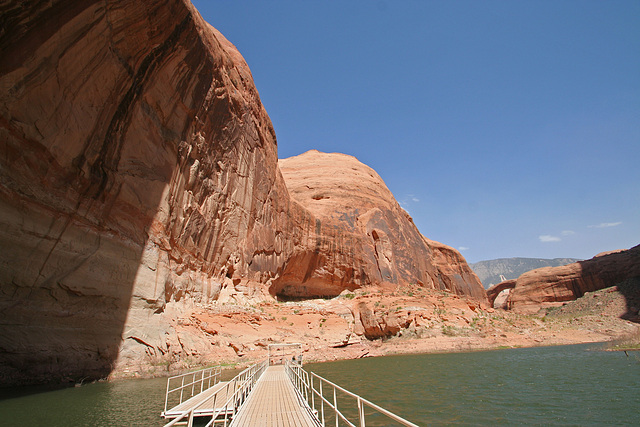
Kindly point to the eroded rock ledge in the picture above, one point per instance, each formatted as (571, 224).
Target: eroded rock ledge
(139, 180)
(553, 286)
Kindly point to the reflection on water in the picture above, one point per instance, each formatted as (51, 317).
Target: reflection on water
(122, 403)
(569, 385)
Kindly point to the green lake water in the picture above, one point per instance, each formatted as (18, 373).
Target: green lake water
(567, 385)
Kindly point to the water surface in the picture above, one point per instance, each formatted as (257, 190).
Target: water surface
(568, 385)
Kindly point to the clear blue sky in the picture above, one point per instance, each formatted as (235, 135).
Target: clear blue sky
(505, 128)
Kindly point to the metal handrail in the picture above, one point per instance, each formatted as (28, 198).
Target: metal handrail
(309, 390)
(206, 375)
(236, 391)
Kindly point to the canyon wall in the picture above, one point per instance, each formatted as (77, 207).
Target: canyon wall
(138, 168)
(139, 178)
(551, 286)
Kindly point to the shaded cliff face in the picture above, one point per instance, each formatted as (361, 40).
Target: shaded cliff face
(139, 178)
(136, 166)
(363, 236)
(550, 286)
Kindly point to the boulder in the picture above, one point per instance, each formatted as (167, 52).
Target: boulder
(366, 317)
(373, 324)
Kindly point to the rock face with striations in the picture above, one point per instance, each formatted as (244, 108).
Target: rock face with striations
(138, 169)
(551, 286)
(139, 177)
(363, 236)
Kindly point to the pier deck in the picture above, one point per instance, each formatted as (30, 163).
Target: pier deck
(274, 402)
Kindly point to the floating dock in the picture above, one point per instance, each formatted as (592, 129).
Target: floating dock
(274, 393)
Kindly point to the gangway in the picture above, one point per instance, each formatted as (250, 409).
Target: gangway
(277, 392)
(275, 402)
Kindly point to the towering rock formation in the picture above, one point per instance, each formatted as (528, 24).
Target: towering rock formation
(363, 236)
(139, 176)
(551, 286)
(137, 167)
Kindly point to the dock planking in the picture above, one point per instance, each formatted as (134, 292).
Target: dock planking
(274, 402)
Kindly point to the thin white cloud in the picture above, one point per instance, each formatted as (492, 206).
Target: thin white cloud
(548, 238)
(463, 248)
(567, 232)
(415, 199)
(606, 224)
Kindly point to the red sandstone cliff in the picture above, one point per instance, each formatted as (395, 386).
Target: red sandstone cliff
(551, 286)
(364, 237)
(139, 177)
(138, 167)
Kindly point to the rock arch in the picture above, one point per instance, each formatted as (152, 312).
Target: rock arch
(494, 290)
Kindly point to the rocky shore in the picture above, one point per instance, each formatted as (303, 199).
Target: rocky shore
(410, 320)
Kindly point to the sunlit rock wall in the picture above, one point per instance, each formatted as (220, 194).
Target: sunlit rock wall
(363, 236)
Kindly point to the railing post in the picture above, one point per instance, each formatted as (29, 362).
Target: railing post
(181, 389)
(166, 396)
(321, 400)
(306, 385)
(235, 390)
(335, 405)
(313, 396)
(190, 422)
(213, 407)
(361, 412)
(226, 405)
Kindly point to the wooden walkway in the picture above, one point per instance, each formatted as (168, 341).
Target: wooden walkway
(206, 409)
(274, 402)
